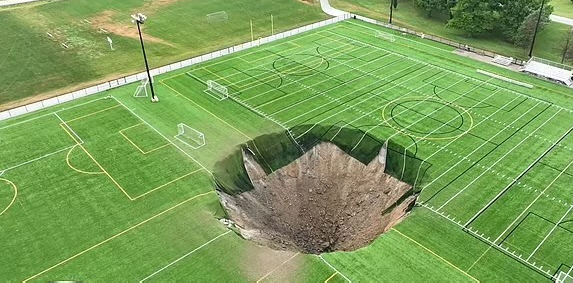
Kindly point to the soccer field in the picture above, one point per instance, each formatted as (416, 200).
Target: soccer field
(104, 188)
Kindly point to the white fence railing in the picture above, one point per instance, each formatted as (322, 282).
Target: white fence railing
(162, 70)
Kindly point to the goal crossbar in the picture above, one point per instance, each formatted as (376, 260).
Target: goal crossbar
(217, 90)
(189, 136)
(384, 35)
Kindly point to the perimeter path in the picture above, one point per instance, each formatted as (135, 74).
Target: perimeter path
(563, 20)
(325, 5)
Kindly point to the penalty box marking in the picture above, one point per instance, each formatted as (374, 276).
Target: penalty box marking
(103, 169)
(135, 145)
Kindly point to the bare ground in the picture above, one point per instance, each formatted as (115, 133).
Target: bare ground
(324, 201)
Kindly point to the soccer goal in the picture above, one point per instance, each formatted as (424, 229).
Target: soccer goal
(386, 36)
(141, 90)
(190, 136)
(217, 90)
(220, 16)
(563, 277)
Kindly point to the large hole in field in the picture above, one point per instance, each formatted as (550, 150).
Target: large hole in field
(317, 195)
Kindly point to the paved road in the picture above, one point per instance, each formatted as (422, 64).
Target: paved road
(562, 20)
(15, 2)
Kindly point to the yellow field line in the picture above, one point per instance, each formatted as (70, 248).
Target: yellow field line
(132, 143)
(15, 194)
(130, 127)
(436, 255)
(270, 272)
(116, 235)
(331, 276)
(75, 169)
(168, 183)
(93, 113)
(97, 163)
(204, 109)
(135, 145)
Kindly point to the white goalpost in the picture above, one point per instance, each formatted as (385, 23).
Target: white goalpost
(217, 90)
(190, 136)
(384, 35)
(220, 16)
(141, 90)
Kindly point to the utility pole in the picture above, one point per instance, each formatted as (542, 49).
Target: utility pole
(140, 19)
(536, 27)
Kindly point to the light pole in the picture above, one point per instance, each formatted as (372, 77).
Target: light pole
(536, 27)
(139, 19)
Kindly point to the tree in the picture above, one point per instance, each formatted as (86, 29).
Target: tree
(568, 47)
(524, 34)
(513, 13)
(475, 17)
(432, 6)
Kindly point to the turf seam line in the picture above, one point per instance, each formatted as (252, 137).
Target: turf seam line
(185, 255)
(117, 235)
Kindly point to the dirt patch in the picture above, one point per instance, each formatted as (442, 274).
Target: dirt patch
(105, 21)
(309, 2)
(323, 201)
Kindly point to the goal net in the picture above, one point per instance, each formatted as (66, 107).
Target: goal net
(217, 90)
(141, 90)
(386, 36)
(220, 16)
(563, 277)
(190, 136)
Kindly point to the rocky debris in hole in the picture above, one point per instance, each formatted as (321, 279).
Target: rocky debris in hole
(324, 201)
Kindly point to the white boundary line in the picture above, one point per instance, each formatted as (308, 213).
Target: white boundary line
(533, 202)
(550, 232)
(497, 161)
(275, 269)
(185, 255)
(334, 268)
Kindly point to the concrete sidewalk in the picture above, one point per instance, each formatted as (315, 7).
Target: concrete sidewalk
(4, 3)
(326, 8)
(562, 20)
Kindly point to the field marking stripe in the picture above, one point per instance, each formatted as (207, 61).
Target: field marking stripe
(93, 113)
(275, 269)
(117, 235)
(479, 147)
(15, 194)
(162, 135)
(36, 159)
(185, 255)
(496, 197)
(204, 109)
(76, 169)
(168, 183)
(479, 258)
(436, 255)
(550, 232)
(131, 127)
(331, 276)
(131, 142)
(334, 268)
(535, 200)
(497, 161)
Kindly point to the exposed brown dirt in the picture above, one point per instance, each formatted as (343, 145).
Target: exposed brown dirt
(324, 201)
(105, 21)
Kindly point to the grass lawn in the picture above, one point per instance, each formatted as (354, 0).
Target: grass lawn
(34, 62)
(100, 188)
(563, 8)
(408, 15)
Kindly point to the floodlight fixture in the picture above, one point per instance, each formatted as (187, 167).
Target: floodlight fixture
(139, 19)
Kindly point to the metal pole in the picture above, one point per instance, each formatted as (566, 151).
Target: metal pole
(252, 35)
(272, 25)
(145, 59)
(536, 27)
(391, 9)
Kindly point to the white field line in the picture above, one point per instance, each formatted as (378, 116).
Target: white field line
(51, 113)
(334, 268)
(162, 135)
(382, 106)
(550, 232)
(497, 161)
(317, 83)
(570, 270)
(185, 255)
(479, 147)
(330, 59)
(368, 97)
(237, 83)
(323, 93)
(533, 202)
(504, 250)
(38, 158)
(444, 69)
(69, 128)
(275, 269)
(521, 174)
